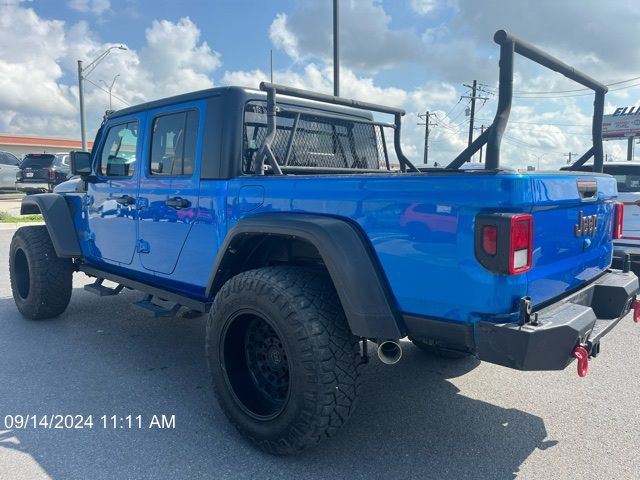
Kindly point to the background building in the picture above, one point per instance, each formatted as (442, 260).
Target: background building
(20, 145)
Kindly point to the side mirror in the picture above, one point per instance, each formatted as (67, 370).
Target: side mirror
(80, 163)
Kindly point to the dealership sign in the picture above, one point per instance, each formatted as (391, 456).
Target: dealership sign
(624, 122)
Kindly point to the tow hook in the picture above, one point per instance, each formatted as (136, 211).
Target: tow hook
(583, 360)
(635, 304)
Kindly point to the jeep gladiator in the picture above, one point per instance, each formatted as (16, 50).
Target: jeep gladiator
(279, 214)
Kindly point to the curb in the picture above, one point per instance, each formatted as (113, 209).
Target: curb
(16, 225)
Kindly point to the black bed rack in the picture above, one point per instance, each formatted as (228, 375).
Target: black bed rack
(491, 137)
(265, 154)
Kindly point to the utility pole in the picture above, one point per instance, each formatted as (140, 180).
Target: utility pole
(481, 132)
(569, 157)
(271, 63)
(426, 116)
(473, 98)
(473, 110)
(630, 149)
(336, 48)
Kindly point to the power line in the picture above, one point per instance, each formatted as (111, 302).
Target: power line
(107, 91)
(538, 123)
(529, 92)
(528, 145)
(575, 94)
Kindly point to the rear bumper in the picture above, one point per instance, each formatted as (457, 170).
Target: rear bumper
(581, 318)
(28, 186)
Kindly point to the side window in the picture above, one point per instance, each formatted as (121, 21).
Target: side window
(6, 159)
(118, 157)
(173, 144)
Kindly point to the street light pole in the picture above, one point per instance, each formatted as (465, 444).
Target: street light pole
(83, 72)
(110, 87)
(83, 133)
(336, 48)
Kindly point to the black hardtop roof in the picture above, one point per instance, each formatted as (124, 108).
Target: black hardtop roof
(241, 95)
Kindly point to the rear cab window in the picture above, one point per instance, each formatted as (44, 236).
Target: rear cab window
(320, 141)
(62, 160)
(41, 160)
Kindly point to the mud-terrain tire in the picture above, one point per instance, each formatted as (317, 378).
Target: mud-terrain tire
(41, 281)
(284, 365)
(436, 351)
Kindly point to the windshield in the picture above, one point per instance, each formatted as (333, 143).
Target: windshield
(42, 160)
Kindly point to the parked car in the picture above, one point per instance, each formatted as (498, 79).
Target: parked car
(9, 167)
(41, 172)
(627, 175)
(296, 275)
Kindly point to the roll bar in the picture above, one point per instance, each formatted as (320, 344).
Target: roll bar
(493, 135)
(266, 152)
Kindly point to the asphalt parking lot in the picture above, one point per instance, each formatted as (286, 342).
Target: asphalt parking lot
(422, 418)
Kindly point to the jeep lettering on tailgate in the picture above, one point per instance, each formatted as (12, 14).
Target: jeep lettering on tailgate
(587, 225)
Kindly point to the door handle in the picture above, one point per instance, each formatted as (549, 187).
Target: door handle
(125, 200)
(177, 202)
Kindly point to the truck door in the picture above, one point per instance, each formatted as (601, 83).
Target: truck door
(112, 198)
(169, 185)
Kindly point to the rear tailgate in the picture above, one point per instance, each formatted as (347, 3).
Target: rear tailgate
(573, 216)
(36, 167)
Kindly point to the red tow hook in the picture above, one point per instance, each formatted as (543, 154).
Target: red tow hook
(635, 304)
(583, 360)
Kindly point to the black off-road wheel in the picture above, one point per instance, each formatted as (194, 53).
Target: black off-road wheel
(284, 364)
(40, 280)
(437, 351)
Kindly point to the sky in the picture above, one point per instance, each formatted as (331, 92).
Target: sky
(414, 54)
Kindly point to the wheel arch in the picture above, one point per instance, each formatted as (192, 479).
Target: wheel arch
(58, 219)
(342, 248)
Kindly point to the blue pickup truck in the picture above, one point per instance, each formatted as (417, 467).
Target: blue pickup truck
(278, 212)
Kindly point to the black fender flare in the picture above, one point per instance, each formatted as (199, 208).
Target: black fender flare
(58, 219)
(348, 256)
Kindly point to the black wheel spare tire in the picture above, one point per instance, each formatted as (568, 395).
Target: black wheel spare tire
(41, 281)
(284, 364)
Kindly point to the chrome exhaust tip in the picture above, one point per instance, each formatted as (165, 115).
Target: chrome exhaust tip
(389, 352)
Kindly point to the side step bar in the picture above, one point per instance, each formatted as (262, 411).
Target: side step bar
(101, 290)
(156, 310)
(124, 282)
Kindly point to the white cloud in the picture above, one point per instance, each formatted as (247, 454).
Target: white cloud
(367, 40)
(282, 37)
(424, 7)
(38, 91)
(90, 6)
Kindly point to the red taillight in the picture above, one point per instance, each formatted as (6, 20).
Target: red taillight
(52, 174)
(520, 247)
(618, 220)
(490, 239)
